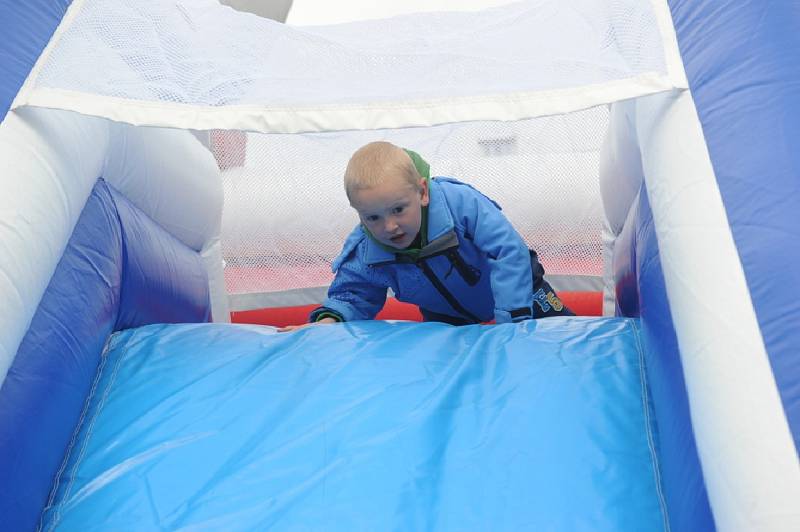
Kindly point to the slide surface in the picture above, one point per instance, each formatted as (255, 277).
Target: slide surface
(542, 425)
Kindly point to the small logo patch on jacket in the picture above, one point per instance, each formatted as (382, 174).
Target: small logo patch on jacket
(542, 299)
(557, 304)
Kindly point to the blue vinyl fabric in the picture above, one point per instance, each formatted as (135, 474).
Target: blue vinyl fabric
(26, 28)
(165, 281)
(47, 384)
(641, 293)
(743, 65)
(541, 425)
(108, 256)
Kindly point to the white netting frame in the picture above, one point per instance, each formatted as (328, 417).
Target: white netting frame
(286, 215)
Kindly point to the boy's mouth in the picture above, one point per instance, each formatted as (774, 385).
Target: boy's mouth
(397, 238)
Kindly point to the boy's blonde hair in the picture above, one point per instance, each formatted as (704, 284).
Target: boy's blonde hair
(371, 163)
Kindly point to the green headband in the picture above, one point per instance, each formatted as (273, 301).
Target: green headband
(422, 167)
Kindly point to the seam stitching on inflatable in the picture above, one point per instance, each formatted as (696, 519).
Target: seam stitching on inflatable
(100, 406)
(648, 427)
(75, 433)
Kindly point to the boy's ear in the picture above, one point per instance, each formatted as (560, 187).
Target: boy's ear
(426, 198)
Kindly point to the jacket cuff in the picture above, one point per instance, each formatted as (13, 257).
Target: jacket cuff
(515, 315)
(324, 312)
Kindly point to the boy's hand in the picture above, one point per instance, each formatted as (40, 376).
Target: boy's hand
(290, 328)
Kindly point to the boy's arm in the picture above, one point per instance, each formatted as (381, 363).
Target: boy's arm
(356, 293)
(353, 295)
(509, 257)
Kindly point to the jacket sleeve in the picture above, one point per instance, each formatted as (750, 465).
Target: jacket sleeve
(508, 255)
(356, 293)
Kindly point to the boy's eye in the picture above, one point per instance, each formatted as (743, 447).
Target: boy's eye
(398, 210)
(372, 218)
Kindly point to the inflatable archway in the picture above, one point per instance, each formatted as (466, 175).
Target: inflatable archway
(667, 131)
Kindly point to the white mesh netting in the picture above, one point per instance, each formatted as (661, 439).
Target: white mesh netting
(286, 214)
(195, 52)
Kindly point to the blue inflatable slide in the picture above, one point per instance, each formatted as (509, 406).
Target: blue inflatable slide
(129, 402)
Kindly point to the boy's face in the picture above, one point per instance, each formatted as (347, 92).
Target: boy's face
(392, 211)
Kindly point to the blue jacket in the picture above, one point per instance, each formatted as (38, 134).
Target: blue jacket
(476, 266)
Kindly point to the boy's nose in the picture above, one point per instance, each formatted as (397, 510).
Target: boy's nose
(390, 226)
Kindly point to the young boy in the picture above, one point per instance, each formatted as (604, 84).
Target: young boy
(437, 243)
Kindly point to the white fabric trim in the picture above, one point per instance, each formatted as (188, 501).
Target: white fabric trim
(748, 457)
(669, 43)
(416, 113)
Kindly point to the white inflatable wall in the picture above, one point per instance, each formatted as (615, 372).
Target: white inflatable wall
(57, 157)
(621, 177)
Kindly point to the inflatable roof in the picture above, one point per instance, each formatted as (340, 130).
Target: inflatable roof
(646, 148)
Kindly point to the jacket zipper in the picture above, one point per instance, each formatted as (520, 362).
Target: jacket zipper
(445, 293)
(469, 273)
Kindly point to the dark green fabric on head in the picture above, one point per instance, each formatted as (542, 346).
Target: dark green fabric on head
(420, 164)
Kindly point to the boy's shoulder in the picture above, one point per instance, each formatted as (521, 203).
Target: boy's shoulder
(448, 182)
(360, 252)
(453, 187)
(356, 237)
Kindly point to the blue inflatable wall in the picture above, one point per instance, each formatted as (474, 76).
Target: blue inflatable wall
(26, 28)
(641, 293)
(743, 65)
(119, 270)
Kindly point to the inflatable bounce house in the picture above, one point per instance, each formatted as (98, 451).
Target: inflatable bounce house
(168, 165)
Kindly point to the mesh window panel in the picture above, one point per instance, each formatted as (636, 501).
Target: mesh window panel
(286, 214)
